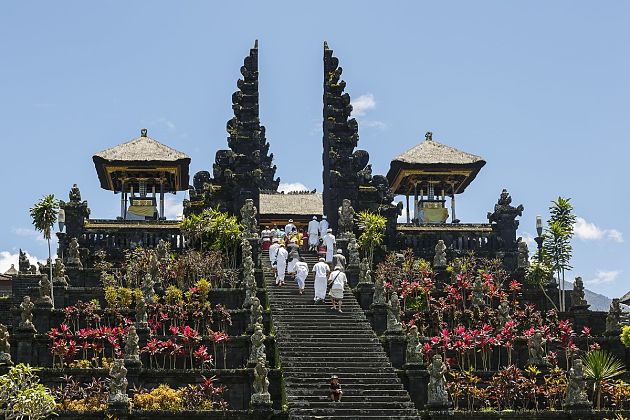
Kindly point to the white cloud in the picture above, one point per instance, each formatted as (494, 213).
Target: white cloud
(374, 124)
(29, 233)
(173, 208)
(587, 231)
(528, 238)
(362, 104)
(603, 276)
(6, 259)
(292, 186)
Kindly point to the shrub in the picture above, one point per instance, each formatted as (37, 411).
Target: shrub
(22, 396)
(161, 398)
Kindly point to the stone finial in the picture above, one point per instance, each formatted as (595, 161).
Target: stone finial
(576, 397)
(613, 319)
(118, 385)
(438, 395)
(5, 345)
(428, 136)
(143, 132)
(75, 194)
(24, 264)
(578, 301)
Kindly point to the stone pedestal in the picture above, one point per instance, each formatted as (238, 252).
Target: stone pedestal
(143, 337)
(42, 313)
(24, 345)
(379, 317)
(417, 379)
(59, 291)
(118, 410)
(396, 347)
(352, 273)
(364, 292)
(442, 276)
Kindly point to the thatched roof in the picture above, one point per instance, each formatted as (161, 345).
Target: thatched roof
(143, 148)
(311, 204)
(433, 153)
(625, 299)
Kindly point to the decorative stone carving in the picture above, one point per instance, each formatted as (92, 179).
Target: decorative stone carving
(576, 397)
(26, 314)
(162, 249)
(503, 312)
(261, 394)
(439, 260)
(74, 257)
(258, 345)
(379, 292)
(457, 265)
(147, 288)
(613, 319)
(24, 265)
(504, 207)
(59, 273)
(393, 314)
(578, 301)
(256, 316)
(505, 225)
(339, 260)
(413, 355)
(45, 291)
(353, 252)
(346, 218)
(365, 274)
(249, 277)
(536, 348)
(248, 218)
(5, 345)
(478, 299)
(75, 194)
(141, 313)
(522, 261)
(132, 349)
(118, 384)
(438, 395)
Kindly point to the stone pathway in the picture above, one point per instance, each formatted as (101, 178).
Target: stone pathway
(315, 342)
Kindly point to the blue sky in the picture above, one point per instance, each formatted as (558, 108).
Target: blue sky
(539, 89)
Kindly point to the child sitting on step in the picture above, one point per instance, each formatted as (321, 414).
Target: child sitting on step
(335, 389)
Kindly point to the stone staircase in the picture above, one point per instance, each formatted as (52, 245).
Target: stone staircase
(315, 342)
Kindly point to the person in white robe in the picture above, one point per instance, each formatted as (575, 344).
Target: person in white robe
(321, 270)
(338, 281)
(330, 242)
(290, 227)
(301, 268)
(294, 257)
(273, 252)
(313, 234)
(323, 226)
(339, 260)
(281, 264)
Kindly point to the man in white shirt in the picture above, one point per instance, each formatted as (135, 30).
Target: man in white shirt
(281, 264)
(289, 227)
(338, 282)
(323, 226)
(321, 270)
(273, 253)
(339, 260)
(313, 234)
(301, 269)
(330, 242)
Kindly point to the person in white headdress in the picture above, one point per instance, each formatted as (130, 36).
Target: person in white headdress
(330, 242)
(313, 234)
(281, 264)
(290, 227)
(338, 282)
(339, 260)
(321, 270)
(301, 268)
(323, 226)
(273, 252)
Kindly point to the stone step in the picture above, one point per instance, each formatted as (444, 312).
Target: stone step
(350, 389)
(358, 399)
(348, 364)
(337, 410)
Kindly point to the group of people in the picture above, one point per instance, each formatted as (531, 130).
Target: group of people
(284, 246)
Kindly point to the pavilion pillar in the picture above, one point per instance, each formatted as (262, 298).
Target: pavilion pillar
(408, 217)
(415, 200)
(122, 200)
(161, 199)
(453, 217)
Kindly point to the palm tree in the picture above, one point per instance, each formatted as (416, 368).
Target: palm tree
(44, 215)
(601, 366)
(372, 227)
(558, 241)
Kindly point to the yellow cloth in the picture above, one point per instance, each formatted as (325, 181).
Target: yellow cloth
(146, 211)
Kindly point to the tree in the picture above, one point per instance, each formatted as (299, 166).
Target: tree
(22, 396)
(601, 366)
(372, 227)
(557, 241)
(44, 214)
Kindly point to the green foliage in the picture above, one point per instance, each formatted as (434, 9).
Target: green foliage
(625, 336)
(372, 227)
(22, 396)
(203, 288)
(44, 214)
(173, 295)
(601, 366)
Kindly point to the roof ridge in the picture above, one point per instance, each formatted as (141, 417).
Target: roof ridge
(118, 152)
(421, 153)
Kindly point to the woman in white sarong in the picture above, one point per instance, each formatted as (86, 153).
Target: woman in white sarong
(301, 273)
(330, 242)
(321, 270)
(281, 264)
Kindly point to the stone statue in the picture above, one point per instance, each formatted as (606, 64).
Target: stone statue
(393, 314)
(256, 316)
(339, 259)
(413, 355)
(118, 384)
(522, 261)
(613, 319)
(379, 292)
(75, 194)
(147, 288)
(5, 346)
(365, 275)
(249, 277)
(353, 252)
(74, 257)
(59, 273)
(536, 347)
(24, 264)
(457, 265)
(576, 397)
(261, 383)
(26, 308)
(438, 396)
(162, 249)
(45, 291)
(503, 312)
(439, 261)
(248, 218)
(132, 351)
(258, 345)
(365, 175)
(577, 295)
(141, 313)
(154, 266)
(346, 218)
(478, 299)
